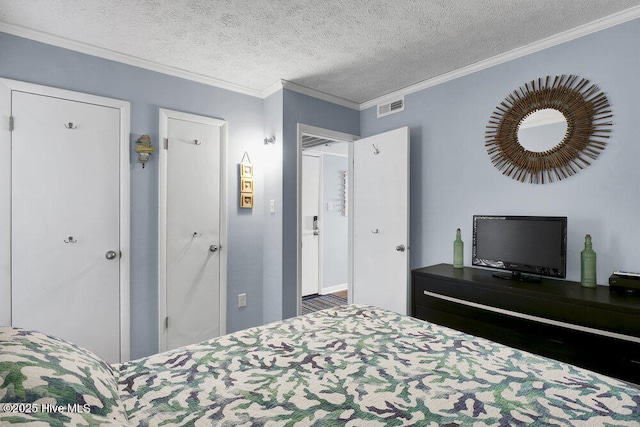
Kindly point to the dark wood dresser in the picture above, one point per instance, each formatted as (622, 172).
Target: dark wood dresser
(592, 328)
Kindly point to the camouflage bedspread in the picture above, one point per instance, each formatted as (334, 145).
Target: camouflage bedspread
(355, 366)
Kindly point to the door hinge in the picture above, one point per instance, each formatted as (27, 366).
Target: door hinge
(166, 143)
(10, 123)
(166, 322)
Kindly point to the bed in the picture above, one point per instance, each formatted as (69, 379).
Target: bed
(352, 365)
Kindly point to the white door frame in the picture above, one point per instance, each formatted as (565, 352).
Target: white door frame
(6, 88)
(329, 134)
(165, 115)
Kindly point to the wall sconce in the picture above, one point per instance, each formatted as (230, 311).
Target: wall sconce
(270, 141)
(144, 149)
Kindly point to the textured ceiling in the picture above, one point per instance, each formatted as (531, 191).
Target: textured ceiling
(354, 49)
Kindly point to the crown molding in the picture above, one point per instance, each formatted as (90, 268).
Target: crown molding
(320, 95)
(581, 31)
(122, 58)
(272, 89)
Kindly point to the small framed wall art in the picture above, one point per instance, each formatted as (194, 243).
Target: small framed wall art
(246, 170)
(246, 200)
(246, 185)
(246, 182)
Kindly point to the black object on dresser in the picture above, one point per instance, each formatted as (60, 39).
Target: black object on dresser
(587, 327)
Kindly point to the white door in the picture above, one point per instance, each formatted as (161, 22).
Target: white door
(381, 220)
(310, 224)
(66, 222)
(190, 255)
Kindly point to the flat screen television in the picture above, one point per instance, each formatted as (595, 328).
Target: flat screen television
(534, 245)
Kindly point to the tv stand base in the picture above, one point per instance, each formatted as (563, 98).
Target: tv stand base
(517, 276)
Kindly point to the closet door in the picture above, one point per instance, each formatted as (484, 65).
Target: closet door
(65, 220)
(190, 230)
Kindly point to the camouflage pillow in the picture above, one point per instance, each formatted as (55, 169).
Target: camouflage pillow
(47, 378)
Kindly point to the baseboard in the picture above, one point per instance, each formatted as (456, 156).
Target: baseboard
(335, 288)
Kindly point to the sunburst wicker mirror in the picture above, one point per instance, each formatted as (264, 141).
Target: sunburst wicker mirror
(587, 113)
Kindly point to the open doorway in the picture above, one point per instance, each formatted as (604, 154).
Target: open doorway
(377, 213)
(323, 218)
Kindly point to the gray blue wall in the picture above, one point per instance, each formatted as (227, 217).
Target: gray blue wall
(272, 246)
(147, 91)
(452, 178)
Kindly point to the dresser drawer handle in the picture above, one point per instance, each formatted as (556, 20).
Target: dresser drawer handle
(635, 339)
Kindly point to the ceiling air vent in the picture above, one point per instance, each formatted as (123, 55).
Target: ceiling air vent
(391, 107)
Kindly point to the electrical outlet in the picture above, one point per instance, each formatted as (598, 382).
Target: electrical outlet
(242, 300)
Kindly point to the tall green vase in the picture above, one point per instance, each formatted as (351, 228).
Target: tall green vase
(588, 264)
(458, 250)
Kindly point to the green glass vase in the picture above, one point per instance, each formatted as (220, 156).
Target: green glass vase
(458, 250)
(588, 264)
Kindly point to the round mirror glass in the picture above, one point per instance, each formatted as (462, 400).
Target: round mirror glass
(542, 130)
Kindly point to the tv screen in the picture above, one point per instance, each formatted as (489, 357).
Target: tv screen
(521, 244)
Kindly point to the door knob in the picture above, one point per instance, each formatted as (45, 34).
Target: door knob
(214, 248)
(110, 255)
(400, 248)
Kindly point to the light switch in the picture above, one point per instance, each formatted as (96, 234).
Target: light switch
(272, 206)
